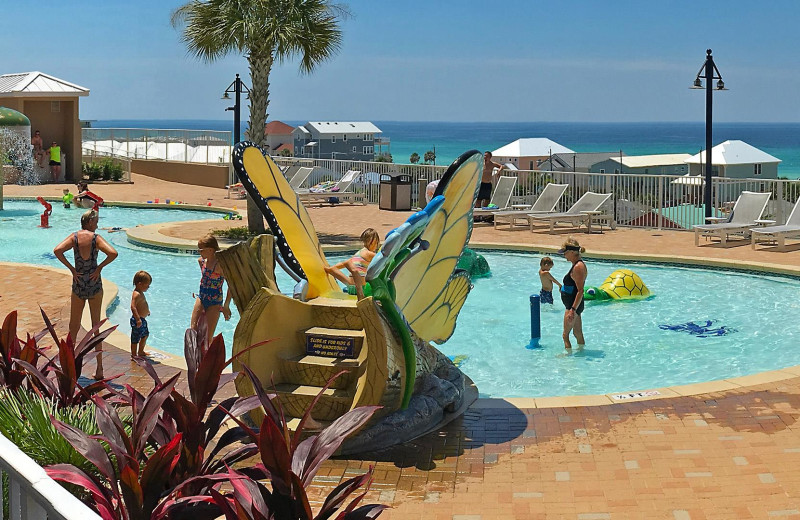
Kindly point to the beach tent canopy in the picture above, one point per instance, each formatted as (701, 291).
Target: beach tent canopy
(733, 152)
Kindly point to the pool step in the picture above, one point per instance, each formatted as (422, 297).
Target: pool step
(296, 399)
(317, 370)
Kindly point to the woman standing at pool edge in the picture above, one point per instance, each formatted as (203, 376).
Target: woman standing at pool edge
(572, 291)
(87, 285)
(209, 299)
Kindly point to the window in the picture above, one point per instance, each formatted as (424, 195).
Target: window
(355, 148)
(367, 150)
(531, 165)
(55, 106)
(602, 170)
(344, 138)
(333, 138)
(756, 169)
(368, 137)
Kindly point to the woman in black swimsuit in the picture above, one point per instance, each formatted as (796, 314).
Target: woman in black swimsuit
(572, 292)
(86, 282)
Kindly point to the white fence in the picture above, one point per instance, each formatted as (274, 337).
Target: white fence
(193, 146)
(649, 201)
(32, 495)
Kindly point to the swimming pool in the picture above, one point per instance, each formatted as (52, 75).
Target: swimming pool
(626, 348)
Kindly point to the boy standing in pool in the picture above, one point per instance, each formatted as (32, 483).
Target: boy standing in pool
(546, 294)
(139, 310)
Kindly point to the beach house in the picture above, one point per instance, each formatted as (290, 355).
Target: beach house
(279, 137)
(51, 104)
(354, 141)
(660, 164)
(529, 153)
(581, 162)
(736, 160)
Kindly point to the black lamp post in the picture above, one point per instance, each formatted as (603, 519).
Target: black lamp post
(236, 88)
(710, 72)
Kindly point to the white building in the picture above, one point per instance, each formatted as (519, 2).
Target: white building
(528, 153)
(736, 160)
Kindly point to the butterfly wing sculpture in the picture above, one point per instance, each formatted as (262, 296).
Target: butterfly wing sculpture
(287, 218)
(416, 267)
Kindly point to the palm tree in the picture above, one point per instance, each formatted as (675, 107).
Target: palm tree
(414, 159)
(264, 31)
(430, 157)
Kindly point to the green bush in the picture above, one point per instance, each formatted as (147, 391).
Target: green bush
(25, 421)
(106, 170)
(236, 233)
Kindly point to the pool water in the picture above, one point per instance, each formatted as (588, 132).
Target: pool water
(626, 348)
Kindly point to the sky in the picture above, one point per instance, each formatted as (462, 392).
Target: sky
(440, 60)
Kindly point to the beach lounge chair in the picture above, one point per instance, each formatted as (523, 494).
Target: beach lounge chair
(501, 197)
(745, 215)
(580, 213)
(300, 177)
(339, 191)
(545, 203)
(779, 233)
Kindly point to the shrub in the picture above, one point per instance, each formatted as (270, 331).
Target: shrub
(12, 351)
(236, 233)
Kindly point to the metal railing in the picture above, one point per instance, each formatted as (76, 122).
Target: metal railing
(191, 146)
(32, 495)
(647, 201)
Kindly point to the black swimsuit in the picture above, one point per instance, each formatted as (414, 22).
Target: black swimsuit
(570, 290)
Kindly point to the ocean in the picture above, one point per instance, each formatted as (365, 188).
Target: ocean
(781, 140)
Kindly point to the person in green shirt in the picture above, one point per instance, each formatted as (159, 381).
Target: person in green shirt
(55, 161)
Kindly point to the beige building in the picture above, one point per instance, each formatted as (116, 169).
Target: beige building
(52, 106)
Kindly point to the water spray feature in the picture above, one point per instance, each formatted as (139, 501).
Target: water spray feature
(15, 149)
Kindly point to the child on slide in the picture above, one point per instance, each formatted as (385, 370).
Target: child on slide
(357, 265)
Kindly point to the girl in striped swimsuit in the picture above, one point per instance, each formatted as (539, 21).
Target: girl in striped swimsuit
(357, 265)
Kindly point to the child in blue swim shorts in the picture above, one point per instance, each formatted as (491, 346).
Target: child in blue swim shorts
(546, 294)
(139, 311)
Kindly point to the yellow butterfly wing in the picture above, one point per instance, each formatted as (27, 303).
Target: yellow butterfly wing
(428, 293)
(287, 217)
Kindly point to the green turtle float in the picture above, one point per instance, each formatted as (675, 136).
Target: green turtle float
(622, 284)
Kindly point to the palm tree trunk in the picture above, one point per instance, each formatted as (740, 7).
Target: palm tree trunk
(260, 66)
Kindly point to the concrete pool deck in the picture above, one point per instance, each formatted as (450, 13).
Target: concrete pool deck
(729, 451)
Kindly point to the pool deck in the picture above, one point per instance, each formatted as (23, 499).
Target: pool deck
(730, 450)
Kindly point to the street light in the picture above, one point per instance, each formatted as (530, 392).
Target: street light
(236, 88)
(710, 71)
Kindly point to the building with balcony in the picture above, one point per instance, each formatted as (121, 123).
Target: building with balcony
(354, 141)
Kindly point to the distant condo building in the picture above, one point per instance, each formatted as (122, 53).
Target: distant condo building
(529, 153)
(279, 137)
(356, 141)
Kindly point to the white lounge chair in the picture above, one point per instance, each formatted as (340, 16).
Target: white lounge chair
(779, 233)
(580, 213)
(745, 215)
(300, 177)
(545, 203)
(339, 191)
(500, 198)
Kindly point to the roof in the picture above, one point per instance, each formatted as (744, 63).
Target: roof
(687, 215)
(277, 128)
(30, 84)
(340, 127)
(644, 161)
(284, 146)
(734, 152)
(566, 161)
(531, 147)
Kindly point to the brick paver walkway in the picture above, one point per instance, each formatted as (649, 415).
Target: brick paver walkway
(725, 455)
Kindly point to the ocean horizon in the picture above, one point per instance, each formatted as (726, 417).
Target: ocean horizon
(450, 139)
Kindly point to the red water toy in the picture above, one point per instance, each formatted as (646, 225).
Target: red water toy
(48, 210)
(96, 199)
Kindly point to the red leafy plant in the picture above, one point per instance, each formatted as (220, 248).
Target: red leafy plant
(12, 350)
(132, 482)
(289, 462)
(58, 379)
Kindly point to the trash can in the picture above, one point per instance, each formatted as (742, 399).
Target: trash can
(395, 191)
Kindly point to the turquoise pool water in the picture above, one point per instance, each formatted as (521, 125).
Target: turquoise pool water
(626, 348)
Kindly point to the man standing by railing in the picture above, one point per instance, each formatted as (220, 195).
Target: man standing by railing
(485, 191)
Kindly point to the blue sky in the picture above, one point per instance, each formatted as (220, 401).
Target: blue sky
(447, 60)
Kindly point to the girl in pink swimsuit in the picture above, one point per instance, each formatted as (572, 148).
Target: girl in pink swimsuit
(209, 300)
(357, 265)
